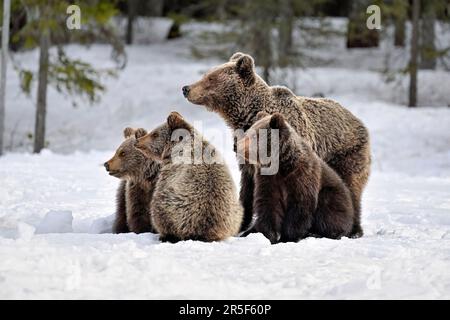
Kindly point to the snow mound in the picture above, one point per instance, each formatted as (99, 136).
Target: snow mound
(102, 225)
(56, 222)
(25, 231)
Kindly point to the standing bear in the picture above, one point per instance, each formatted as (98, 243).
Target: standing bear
(138, 175)
(195, 197)
(305, 196)
(237, 93)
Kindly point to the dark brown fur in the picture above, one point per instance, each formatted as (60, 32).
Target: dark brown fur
(237, 93)
(135, 191)
(305, 197)
(120, 222)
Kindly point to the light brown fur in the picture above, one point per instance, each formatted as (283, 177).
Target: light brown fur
(138, 175)
(191, 201)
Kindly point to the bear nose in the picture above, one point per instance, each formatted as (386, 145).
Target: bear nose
(106, 166)
(186, 90)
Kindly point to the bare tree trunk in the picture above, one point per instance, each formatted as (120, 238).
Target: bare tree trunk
(131, 15)
(41, 109)
(428, 48)
(399, 35)
(5, 46)
(263, 38)
(261, 42)
(400, 16)
(286, 26)
(157, 7)
(257, 19)
(221, 10)
(414, 54)
(358, 35)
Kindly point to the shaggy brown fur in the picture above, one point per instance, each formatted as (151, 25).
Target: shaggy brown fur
(120, 222)
(237, 93)
(192, 200)
(139, 175)
(305, 197)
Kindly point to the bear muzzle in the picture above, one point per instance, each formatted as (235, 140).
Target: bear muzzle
(111, 172)
(186, 90)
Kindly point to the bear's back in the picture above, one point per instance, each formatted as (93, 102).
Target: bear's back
(198, 199)
(322, 122)
(191, 182)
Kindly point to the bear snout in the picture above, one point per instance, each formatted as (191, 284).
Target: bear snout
(186, 90)
(106, 164)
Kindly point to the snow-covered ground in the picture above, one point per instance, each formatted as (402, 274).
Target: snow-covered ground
(56, 208)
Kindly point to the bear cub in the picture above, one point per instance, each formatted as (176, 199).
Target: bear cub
(138, 174)
(305, 197)
(194, 198)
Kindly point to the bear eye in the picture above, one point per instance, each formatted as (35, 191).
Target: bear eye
(122, 154)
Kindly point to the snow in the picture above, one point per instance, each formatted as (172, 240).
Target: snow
(56, 222)
(56, 208)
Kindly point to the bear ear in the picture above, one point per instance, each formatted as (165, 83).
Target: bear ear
(128, 132)
(176, 121)
(140, 132)
(277, 121)
(261, 114)
(245, 68)
(236, 56)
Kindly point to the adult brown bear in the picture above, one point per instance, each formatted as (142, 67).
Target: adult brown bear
(237, 93)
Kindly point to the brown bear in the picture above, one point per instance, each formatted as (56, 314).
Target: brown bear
(138, 175)
(195, 197)
(237, 93)
(305, 196)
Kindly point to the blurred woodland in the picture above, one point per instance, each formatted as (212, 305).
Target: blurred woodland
(275, 32)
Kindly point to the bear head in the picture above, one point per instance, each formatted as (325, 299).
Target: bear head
(264, 135)
(225, 85)
(127, 162)
(158, 143)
